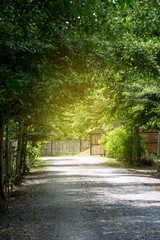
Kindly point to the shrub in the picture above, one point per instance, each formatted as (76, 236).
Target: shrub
(33, 152)
(115, 142)
(121, 143)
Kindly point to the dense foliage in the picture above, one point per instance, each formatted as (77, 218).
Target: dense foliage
(40, 66)
(54, 53)
(127, 95)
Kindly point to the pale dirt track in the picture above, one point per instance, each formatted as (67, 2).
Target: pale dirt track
(77, 198)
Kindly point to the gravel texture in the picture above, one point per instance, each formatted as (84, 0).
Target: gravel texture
(78, 198)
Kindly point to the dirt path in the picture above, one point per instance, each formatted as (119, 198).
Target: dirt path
(77, 198)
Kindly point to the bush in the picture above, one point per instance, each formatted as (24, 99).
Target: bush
(115, 145)
(30, 157)
(124, 145)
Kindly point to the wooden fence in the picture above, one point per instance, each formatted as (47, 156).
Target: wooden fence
(95, 147)
(152, 140)
(57, 147)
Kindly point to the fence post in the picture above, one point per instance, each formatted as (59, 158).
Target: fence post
(80, 144)
(158, 145)
(51, 148)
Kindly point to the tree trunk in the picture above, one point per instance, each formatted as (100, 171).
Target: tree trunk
(51, 148)
(137, 145)
(24, 165)
(6, 153)
(80, 144)
(19, 152)
(2, 196)
(131, 149)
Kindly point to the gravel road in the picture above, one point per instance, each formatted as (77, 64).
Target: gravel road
(78, 198)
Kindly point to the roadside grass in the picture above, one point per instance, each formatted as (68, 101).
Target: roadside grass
(38, 163)
(112, 162)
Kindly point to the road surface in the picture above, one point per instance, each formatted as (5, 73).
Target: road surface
(78, 198)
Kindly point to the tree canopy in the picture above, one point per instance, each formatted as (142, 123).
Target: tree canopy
(56, 53)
